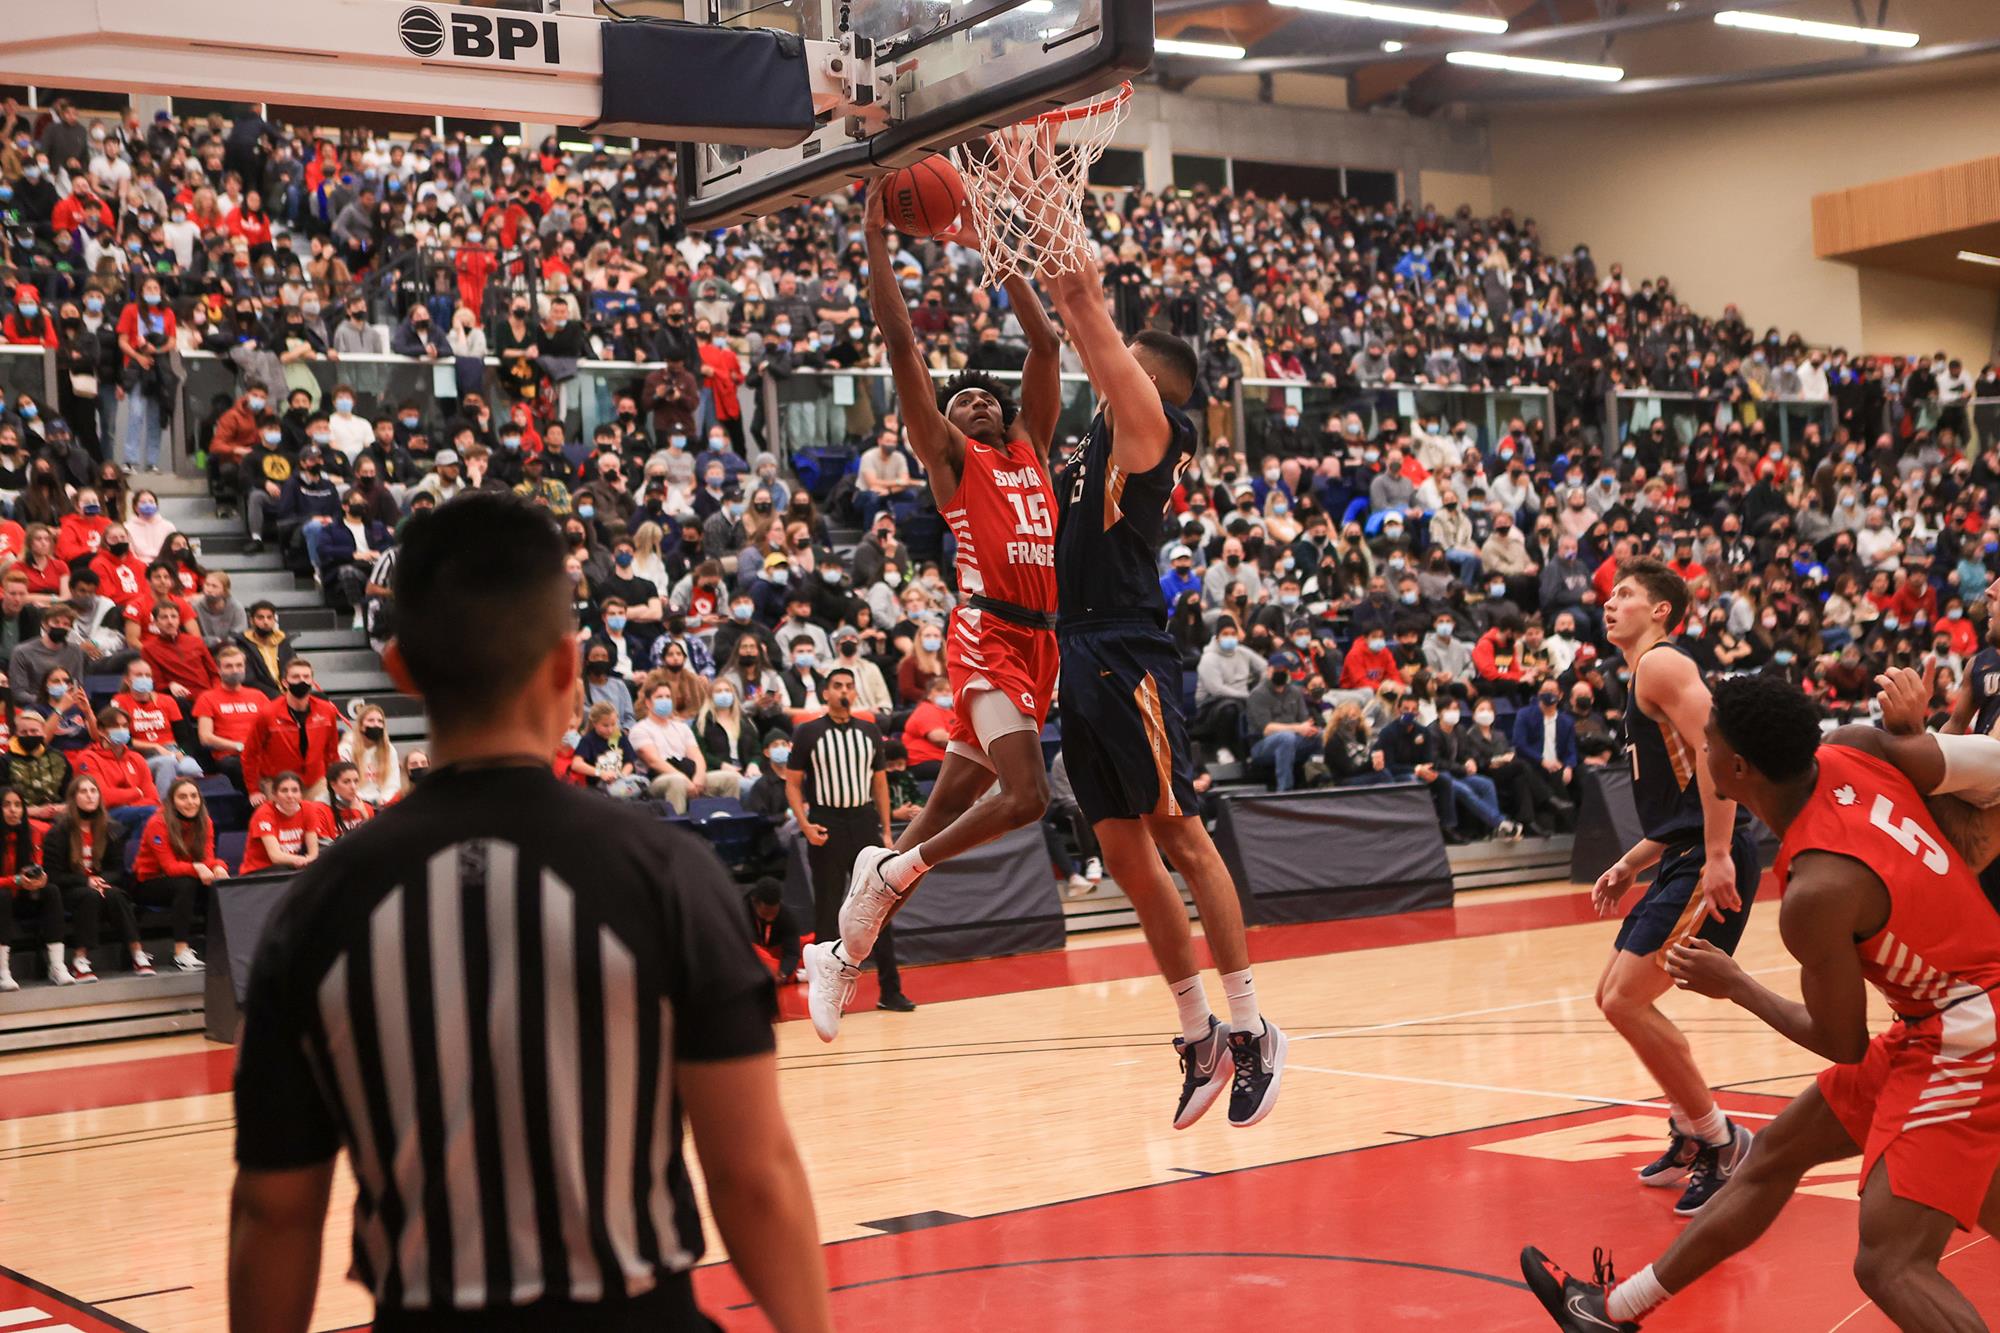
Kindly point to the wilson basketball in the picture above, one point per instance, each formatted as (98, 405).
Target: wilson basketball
(925, 199)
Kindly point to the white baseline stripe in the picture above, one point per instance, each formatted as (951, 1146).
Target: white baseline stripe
(1518, 1092)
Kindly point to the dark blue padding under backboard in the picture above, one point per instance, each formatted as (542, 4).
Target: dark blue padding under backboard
(666, 79)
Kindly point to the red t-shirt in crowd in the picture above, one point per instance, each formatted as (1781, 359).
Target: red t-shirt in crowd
(152, 719)
(234, 712)
(290, 831)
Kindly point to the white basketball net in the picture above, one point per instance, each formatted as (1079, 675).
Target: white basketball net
(1024, 187)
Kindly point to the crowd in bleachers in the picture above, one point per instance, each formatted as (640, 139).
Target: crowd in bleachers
(1370, 587)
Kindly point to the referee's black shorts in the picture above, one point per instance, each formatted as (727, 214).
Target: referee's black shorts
(1124, 735)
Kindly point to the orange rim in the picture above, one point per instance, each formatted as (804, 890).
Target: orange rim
(1064, 115)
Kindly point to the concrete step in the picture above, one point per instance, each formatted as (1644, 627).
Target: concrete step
(408, 731)
(251, 584)
(236, 562)
(204, 524)
(345, 663)
(293, 600)
(319, 641)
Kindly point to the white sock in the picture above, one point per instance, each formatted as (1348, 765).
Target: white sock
(5, 952)
(1192, 1001)
(55, 956)
(1637, 1296)
(1712, 1129)
(1241, 993)
(903, 869)
(1678, 1118)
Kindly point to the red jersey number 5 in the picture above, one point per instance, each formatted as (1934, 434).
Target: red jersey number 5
(1910, 835)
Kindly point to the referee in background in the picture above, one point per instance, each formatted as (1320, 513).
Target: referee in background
(500, 997)
(838, 786)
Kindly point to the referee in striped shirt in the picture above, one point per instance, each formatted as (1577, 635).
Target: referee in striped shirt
(500, 997)
(838, 786)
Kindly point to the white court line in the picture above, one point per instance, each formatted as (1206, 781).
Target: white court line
(1518, 1092)
(1869, 1305)
(1496, 1009)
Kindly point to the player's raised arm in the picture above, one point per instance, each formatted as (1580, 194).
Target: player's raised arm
(1673, 687)
(1041, 377)
(937, 442)
(1127, 392)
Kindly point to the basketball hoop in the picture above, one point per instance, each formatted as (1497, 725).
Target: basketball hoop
(1024, 186)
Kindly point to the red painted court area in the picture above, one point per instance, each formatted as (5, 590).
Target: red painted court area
(1417, 1235)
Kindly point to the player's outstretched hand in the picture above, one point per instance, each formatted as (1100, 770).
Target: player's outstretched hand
(1699, 966)
(1906, 698)
(1719, 895)
(1610, 887)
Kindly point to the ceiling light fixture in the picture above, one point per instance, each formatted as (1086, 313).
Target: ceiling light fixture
(1553, 69)
(1422, 18)
(1392, 47)
(1974, 257)
(1832, 32)
(1174, 46)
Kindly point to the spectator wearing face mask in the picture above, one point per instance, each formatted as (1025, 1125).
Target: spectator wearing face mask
(1224, 678)
(871, 688)
(51, 650)
(1370, 662)
(121, 772)
(602, 684)
(1545, 738)
(1230, 571)
(928, 729)
(1283, 729)
(152, 715)
(804, 678)
(298, 732)
(226, 715)
(32, 768)
(1448, 657)
(670, 759)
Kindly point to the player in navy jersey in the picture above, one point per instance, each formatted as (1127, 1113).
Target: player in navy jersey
(1706, 877)
(1124, 739)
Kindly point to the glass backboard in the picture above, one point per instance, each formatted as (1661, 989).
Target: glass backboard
(959, 70)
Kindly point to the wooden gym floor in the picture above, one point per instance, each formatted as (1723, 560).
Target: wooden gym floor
(1002, 1159)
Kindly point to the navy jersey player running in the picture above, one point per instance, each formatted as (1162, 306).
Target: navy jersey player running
(1124, 739)
(1708, 872)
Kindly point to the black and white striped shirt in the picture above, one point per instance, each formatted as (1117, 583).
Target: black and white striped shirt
(839, 761)
(483, 995)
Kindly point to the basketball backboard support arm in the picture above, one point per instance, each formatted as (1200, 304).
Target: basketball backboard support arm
(427, 59)
(766, 118)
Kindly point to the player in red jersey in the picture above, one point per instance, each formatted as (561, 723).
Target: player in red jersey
(989, 471)
(1876, 893)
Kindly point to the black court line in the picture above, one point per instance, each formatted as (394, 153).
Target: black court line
(1774, 1078)
(908, 1222)
(123, 1143)
(120, 1133)
(163, 1291)
(75, 1306)
(1190, 1171)
(1406, 1134)
(1514, 1283)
